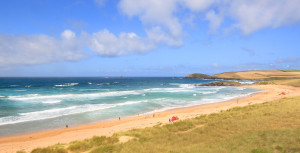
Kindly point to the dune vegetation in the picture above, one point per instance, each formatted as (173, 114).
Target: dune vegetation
(290, 82)
(291, 70)
(260, 128)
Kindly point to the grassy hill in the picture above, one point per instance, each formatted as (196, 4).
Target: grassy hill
(254, 75)
(262, 128)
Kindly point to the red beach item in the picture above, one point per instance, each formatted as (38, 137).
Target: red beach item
(174, 118)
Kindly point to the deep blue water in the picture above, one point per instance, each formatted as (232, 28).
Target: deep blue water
(35, 104)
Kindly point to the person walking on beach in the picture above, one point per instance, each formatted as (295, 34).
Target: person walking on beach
(67, 126)
(119, 118)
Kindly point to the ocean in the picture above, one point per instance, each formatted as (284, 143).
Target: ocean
(37, 104)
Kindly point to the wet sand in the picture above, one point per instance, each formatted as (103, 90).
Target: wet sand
(31, 141)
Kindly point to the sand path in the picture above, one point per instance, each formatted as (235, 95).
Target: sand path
(31, 141)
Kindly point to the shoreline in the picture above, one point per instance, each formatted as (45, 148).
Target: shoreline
(30, 141)
(136, 115)
(133, 115)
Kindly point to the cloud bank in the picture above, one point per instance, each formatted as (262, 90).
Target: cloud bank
(107, 44)
(38, 49)
(247, 15)
(163, 23)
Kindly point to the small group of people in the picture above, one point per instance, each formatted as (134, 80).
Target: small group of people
(174, 118)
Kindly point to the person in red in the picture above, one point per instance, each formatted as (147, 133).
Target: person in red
(174, 118)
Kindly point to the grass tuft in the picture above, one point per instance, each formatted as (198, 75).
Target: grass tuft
(261, 150)
(80, 146)
(87, 144)
(103, 149)
(49, 150)
(180, 126)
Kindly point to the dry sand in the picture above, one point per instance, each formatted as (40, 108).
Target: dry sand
(31, 141)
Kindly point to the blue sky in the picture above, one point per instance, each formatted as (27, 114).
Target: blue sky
(147, 38)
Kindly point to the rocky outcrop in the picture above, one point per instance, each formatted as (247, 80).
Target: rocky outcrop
(199, 76)
(221, 83)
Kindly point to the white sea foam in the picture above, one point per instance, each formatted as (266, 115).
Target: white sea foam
(51, 101)
(183, 85)
(43, 98)
(2, 96)
(170, 90)
(174, 84)
(240, 88)
(131, 102)
(173, 104)
(187, 86)
(20, 90)
(207, 92)
(32, 95)
(37, 97)
(14, 85)
(101, 84)
(246, 82)
(66, 85)
(90, 89)
(57, 112)
(90, 83)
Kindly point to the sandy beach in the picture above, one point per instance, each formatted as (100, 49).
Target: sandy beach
(31, 141)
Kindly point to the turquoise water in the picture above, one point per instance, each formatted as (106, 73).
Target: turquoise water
(35, 104)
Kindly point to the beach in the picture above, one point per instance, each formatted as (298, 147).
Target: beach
(28, 142)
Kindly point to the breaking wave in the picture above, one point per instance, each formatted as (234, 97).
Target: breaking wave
(57, 112)
(66, 85)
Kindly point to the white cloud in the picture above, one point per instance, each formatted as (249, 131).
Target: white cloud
(253, 15)
(215, 65)
(215, 20)
(157, 35)
(247, 15)
(68, 35)
(100, 2)
(163, 25)
(198, 5)
(107, 44)
(289, 60)
(37, 49)
(155, 13)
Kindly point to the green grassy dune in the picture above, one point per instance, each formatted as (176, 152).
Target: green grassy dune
(290, 82)
(262, 128)
(291, 70)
